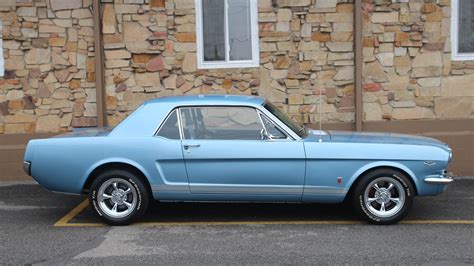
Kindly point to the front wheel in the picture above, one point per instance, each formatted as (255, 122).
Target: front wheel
(383, 196)
(118, 197)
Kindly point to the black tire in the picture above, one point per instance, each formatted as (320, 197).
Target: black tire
(370, 209)
(138, 198)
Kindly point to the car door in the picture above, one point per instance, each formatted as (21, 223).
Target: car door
(230, 155)
(172, 181)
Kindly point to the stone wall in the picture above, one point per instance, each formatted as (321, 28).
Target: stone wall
(408, 71)
(306, 47)
(49, 81)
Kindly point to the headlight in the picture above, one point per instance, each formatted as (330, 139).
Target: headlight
(450, 156)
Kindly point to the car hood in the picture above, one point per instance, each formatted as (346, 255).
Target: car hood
(375, 137)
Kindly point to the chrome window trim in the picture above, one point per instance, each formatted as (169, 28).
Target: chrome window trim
(261, 109)
(277, 122)
(164, 122)
(280, 125)
(261, 122)
(263, 116)
(180, 126)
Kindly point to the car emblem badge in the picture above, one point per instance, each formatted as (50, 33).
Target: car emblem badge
(429, 163)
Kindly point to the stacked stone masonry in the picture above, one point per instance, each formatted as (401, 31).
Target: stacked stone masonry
(306, 49)
(408, 72)
(49, 80)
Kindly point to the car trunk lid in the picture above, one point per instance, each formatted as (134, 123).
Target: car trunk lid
(87, 132)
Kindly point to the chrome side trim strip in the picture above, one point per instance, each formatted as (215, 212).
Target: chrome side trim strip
(320, 190)
(245, 189)
(249, 189)
(175, 188)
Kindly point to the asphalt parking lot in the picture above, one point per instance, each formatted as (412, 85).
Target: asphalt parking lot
(41, 227)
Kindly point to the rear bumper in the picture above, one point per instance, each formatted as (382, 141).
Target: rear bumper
(27, 167)
(442, 179)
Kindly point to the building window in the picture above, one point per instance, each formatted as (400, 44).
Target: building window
(227, 33)
(462, 29)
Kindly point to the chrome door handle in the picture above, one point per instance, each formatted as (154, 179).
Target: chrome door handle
(187, 146)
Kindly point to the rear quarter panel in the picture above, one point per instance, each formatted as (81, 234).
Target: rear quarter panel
(63, 164)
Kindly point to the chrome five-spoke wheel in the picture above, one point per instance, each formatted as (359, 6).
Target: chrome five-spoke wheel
(117, 197)
(384, 197)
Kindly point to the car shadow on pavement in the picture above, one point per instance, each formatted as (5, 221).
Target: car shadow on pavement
(182, 212)
(32, 202)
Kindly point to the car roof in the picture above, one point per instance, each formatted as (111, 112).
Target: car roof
(209, 99)
(144, 121)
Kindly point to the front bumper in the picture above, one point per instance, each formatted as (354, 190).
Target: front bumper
(442, 179)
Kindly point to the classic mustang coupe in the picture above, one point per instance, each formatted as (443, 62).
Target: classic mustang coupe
(235, 148)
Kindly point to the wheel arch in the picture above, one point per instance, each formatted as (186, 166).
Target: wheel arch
(382, 165)
(115, 165)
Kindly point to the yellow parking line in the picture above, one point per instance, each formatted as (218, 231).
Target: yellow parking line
(65, 221)
(80, 225)
(437, 222)
(68, 217)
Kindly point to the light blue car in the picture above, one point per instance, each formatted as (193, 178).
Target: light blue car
(236, 148)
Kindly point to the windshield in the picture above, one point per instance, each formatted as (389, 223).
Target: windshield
(298, 129)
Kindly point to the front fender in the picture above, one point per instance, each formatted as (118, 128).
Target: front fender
(379, 164)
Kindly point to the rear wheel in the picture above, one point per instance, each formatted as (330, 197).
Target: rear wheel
(383, 196)
(119, 197)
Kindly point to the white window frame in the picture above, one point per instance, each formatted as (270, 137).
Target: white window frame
(201, 64)
(455, 55)
(2, 60)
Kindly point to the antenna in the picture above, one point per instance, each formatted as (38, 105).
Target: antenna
(320, 115)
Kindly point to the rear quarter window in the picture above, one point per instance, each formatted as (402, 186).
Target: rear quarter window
(170, 128)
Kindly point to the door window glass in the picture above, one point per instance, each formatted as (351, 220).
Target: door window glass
(221, 123)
